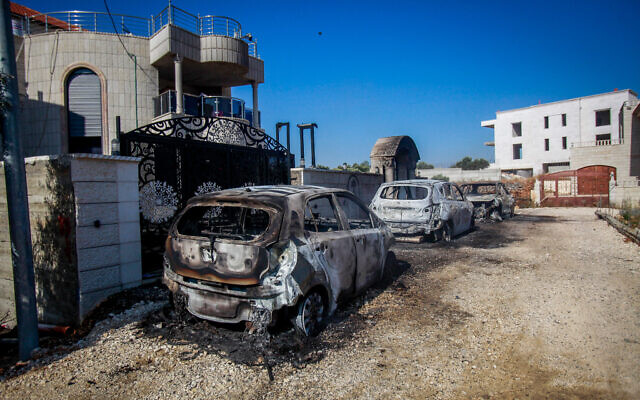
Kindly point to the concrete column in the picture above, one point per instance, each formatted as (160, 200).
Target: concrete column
(256, 114)
(178, 82)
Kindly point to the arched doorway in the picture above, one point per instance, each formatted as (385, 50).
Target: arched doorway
(84, 111)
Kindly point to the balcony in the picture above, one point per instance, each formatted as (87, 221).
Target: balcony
(90, 21)
(203, 106)
(595, 143)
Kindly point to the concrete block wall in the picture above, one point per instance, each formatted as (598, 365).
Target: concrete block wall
(108, 226)
(614, 156)
(364, 185)
(85, 231)
(619, 196)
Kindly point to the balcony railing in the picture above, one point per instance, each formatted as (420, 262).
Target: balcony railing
(594, 143)
(203, 106)
(89, 21)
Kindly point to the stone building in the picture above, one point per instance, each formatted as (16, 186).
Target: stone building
(78, 70)
(395, 157)
(567, 134)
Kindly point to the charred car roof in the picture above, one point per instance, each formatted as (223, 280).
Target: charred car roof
(274, 195)
(419, 182)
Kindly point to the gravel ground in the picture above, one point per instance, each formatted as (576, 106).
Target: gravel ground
(543, 305)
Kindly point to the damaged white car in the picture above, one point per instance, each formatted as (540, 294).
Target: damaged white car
(257, 253)
(422, 207)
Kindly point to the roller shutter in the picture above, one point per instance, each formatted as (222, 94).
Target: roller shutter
(84, 104)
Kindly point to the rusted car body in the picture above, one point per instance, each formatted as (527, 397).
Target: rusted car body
(490, 199)
(423, 207)
(254, 253)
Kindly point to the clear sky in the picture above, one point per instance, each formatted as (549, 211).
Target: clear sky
(431, 70)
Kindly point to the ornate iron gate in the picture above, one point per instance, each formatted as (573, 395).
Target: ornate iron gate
(184, 157)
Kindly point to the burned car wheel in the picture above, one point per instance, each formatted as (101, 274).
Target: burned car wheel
(310, 314)
(447, 232)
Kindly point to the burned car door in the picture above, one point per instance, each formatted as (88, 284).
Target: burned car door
(368, 241)
(464, 210)
(332, 245)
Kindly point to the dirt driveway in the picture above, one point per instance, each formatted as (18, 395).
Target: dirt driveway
(545, 305)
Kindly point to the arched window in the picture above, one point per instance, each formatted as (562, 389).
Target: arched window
(84, 111)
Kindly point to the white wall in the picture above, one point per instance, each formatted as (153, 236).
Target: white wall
(460, 175)
(580, 128)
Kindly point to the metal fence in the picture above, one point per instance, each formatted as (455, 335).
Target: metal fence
(90, 21)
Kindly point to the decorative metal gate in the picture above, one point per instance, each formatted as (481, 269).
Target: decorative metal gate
(184, 157)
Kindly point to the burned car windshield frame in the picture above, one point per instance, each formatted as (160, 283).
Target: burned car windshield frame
(472, 188)
(388, 192)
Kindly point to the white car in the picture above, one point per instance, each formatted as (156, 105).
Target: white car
(423, 207)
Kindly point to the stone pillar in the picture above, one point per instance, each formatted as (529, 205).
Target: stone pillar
(256, 114)
(389, 170)
(178, 82)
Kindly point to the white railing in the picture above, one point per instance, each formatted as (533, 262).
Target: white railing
(594, 143)
(89, 21)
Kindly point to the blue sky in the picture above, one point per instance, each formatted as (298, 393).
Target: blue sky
(431, 70)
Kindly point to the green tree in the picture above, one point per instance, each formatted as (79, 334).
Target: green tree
(355, 167)
(424, 165)
(440, 177)
(467, 163)
(320, 166)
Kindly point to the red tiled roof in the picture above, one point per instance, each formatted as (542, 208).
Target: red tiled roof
(19, 9)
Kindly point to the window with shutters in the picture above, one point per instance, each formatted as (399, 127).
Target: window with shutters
(84, 111)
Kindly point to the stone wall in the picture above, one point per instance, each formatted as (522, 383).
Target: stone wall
(460, 175)
(84, 217)
(363, 185)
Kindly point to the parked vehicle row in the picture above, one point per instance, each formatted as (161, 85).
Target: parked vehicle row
(261, 253)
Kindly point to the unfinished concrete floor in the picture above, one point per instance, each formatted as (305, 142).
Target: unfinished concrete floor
(544, 305)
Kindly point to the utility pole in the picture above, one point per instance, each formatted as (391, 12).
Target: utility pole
(18, 207)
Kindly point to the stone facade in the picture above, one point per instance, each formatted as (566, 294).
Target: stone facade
(85, 230)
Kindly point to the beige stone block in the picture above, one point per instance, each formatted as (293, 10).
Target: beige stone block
(131, 272)
(129, 211)
(127, 171)
(95, 192)
(128, 191)
(130, 252)
(98, 279)
(106, 213)
(93, 170)
(105, 235)
(129, 232)
(98, 257)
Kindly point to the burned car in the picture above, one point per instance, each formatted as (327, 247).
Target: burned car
(490, 200)
(423, 207)
(258, 253)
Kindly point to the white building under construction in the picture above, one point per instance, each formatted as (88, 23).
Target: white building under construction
(600, 129)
